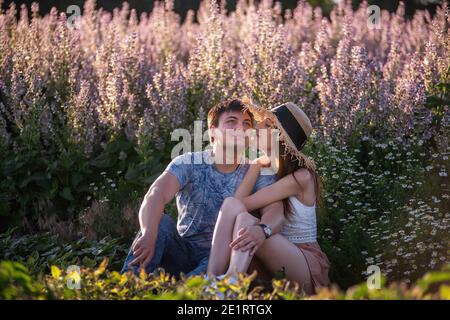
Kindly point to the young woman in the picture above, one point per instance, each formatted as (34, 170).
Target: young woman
(239, 237)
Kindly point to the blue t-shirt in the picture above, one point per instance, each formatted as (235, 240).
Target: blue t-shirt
(202, 191)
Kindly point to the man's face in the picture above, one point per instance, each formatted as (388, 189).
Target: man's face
(265, 131)
(231, 129)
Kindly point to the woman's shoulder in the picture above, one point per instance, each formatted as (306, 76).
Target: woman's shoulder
(303, 176)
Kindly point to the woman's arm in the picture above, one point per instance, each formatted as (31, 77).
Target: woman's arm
(283, 188)
(248, 183)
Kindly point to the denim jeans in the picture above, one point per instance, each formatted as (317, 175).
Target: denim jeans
(172, 252)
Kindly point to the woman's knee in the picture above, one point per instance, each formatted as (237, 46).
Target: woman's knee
(230, 208)
(233, 204)
(245, 218)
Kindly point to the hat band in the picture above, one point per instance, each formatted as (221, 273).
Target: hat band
(291, 126)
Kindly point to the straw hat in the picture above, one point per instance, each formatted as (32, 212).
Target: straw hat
(293, 125)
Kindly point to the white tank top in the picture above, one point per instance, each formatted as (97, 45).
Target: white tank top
(301, 226)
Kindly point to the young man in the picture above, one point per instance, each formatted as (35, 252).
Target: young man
(201, 181)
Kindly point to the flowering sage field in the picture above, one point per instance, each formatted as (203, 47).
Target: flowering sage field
(88, 104)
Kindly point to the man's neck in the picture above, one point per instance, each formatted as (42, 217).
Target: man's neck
(226, 160)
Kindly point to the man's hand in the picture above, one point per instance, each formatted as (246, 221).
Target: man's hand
(161, 192)
(143, 249)
(249, 238)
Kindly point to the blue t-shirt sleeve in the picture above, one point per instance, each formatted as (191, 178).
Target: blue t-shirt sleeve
(264, 181)
(181, 168)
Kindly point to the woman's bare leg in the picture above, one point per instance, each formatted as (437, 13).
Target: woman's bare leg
(277, 253)
(261, 271)
(219, 257)
(239, 260)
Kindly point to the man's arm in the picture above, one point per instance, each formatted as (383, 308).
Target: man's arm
(161, 192)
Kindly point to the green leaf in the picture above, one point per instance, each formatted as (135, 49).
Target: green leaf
(76, 178)
(90, 263)
(443, 86)
(34, 177)
(432, 278)
(195, 282)
(151, 178)
(54, 189)
(132, 173)
(103, 161)
(32, 259)
(434, 101)
(66, 194)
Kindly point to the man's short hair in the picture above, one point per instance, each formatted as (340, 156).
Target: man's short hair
(231, 105)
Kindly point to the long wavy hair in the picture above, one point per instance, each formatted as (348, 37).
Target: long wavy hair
(288, 165)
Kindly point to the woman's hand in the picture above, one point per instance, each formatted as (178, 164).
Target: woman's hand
(249, 238)
(263, 161)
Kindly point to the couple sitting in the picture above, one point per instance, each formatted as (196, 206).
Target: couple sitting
(215, 232)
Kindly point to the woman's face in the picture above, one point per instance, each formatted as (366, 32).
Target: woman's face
(264, 129)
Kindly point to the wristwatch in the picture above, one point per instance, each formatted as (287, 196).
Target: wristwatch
(267, 230)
